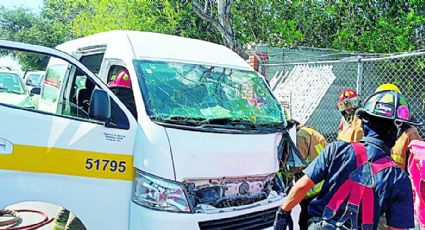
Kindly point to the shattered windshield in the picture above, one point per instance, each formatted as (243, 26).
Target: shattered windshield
(200, 95)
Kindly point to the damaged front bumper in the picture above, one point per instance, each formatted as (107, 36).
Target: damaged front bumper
(259, 214)
(224, 203)
(272, 198)
(230, 193)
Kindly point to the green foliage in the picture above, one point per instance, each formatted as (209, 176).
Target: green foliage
(369, 26)
(168, 16)
(21, 25)
(380, 28)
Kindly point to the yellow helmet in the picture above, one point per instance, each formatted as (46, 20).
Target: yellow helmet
(387, 86)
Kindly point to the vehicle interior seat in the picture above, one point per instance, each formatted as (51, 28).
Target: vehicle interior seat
(84, 95)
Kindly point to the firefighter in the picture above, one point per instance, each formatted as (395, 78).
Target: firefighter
(310, 143)
(361, 173)
(400, 151)
(120, 85)
(350, 127)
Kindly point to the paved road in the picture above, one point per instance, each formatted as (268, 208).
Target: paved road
(51, 210)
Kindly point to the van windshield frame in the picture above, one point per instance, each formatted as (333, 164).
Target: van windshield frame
(206, 96)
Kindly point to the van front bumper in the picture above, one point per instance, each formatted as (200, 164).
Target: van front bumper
(259, 217)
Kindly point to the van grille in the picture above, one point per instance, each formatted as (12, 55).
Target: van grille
(255, 220)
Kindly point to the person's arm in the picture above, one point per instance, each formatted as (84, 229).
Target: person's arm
(297, 193)
(314, 174)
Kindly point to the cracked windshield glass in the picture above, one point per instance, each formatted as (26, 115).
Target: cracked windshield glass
(195, 95)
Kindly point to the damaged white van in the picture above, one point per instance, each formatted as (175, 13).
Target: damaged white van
(174, 133)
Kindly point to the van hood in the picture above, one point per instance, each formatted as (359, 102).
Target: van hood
(215, 155)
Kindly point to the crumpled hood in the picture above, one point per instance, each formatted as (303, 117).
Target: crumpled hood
(213, 155)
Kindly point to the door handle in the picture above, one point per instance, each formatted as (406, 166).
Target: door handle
(6, 147)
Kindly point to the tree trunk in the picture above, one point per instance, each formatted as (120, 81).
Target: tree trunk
(223, 23)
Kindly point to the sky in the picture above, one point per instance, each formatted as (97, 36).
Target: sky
(34, 5)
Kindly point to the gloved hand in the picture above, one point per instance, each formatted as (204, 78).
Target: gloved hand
(283, 220)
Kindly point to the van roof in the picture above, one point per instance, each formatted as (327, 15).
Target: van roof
(156, 46)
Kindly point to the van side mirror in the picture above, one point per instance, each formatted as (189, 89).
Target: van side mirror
(35, 91)
(100, 106)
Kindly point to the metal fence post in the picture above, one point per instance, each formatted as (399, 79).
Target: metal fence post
(359, 81)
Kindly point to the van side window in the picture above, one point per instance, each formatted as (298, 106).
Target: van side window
(53, 81)
(77, 99)
(119, 81)
(52, 86)
(93, 62)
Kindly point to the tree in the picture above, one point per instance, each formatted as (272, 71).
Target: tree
(377, 26)
(103, 15)
(174, 17)
(21, 25)
(360, 25)
(218, 13)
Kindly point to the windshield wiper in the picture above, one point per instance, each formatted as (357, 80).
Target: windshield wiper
(206, 123)
(221, 123)
(191, 121)
(229, 123)
(239, 124)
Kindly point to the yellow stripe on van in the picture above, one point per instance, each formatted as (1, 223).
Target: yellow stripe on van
(68, 162)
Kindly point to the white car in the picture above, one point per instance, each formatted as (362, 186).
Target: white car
(13, 90)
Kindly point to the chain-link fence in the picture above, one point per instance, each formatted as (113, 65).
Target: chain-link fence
(309, 90)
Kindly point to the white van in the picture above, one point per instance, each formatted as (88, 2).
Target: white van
(193, 147)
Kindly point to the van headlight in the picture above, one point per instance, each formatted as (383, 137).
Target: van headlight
(157, 193)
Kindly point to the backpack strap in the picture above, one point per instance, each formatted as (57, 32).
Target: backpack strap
(361, 155)
(364, 195)
(382, 164)
(357, 194)
(346, 189)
